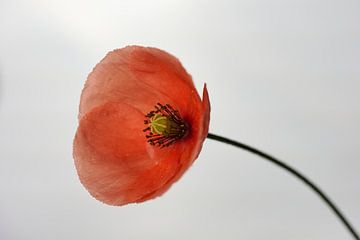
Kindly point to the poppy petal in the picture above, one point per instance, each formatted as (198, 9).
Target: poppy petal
(206, 110)
(164, 73)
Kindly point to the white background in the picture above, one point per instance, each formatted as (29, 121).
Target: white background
(283, 76)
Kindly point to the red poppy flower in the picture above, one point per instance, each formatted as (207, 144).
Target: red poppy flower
(141, 125)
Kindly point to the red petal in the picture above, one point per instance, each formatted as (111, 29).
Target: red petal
(140, 77)
(112, 80)
(206, 109)
(164, 73)
(112, 156)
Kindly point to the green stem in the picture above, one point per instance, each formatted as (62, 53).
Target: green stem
(294, 172)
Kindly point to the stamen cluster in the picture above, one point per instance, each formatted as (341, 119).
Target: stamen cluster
(165, 126)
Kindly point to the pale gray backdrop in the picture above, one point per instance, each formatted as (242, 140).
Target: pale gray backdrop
(283, 76)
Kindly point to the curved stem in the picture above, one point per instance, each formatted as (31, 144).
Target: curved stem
(296, 173)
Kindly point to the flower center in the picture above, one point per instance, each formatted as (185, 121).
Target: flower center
(164, 126)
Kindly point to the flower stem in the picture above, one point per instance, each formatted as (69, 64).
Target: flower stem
(294, 172)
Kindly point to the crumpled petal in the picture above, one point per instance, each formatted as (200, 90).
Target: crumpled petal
(114, 161)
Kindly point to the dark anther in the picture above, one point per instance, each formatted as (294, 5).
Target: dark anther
(165, 126)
